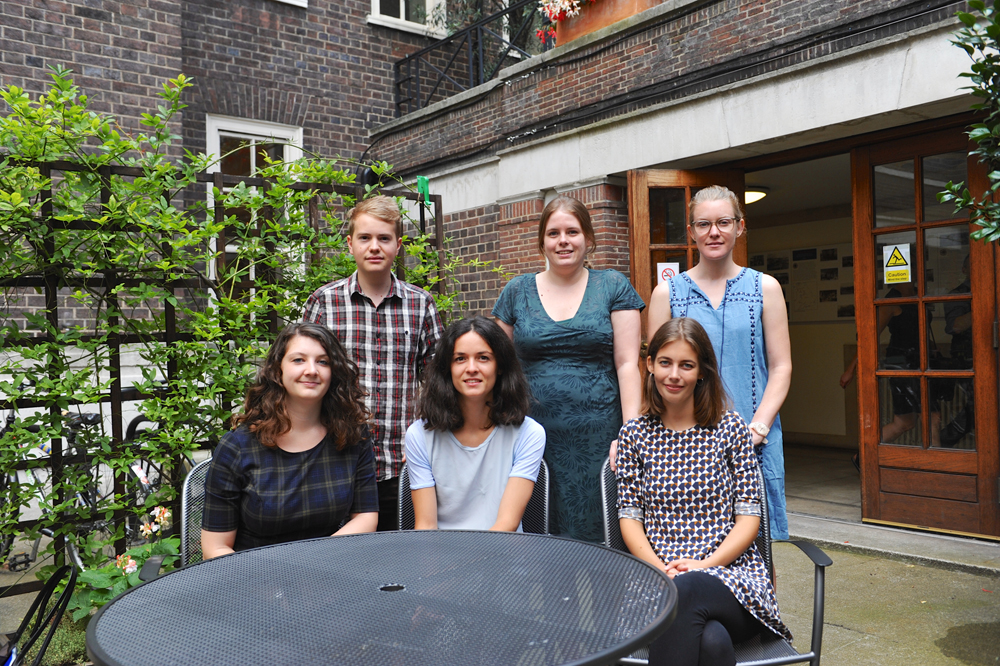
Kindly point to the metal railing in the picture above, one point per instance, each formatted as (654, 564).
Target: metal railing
(470, 57)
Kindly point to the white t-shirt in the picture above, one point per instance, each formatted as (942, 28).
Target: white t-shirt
(470, 481)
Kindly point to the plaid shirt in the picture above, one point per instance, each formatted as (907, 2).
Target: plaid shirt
(271, 496)
(391, 344)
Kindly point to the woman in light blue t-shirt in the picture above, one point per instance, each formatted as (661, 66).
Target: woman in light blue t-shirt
(473, 455)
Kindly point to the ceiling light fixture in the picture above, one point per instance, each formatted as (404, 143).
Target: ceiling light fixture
(754, 193)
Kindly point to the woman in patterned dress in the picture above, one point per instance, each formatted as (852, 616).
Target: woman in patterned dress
(576, 331)
(744, 313)
(689, 502)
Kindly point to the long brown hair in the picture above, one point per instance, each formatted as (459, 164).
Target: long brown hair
(342, 411)
(710, 399)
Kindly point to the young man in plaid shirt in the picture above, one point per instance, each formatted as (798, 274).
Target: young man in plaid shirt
(389, 328)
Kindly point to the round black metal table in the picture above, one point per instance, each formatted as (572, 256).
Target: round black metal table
(392, 598)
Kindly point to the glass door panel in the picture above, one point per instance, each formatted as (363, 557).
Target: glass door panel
(938, 171)
(894, 196)
(667, 217)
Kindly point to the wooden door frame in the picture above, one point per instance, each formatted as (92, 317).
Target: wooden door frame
(640, 181)
(984, 462)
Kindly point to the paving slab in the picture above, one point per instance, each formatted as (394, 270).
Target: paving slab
(888, 612)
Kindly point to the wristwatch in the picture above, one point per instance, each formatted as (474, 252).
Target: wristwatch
(760, 429)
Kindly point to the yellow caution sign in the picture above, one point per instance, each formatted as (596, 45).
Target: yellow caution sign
(896, 263)
(896, 259)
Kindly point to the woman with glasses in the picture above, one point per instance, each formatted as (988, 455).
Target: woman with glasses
(744, 313)
(576, 331)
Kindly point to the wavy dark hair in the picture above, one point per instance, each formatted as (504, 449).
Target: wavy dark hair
(439, 407)
(343, 409)
(710, 399)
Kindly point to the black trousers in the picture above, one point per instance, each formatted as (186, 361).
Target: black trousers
(709, 620)
(388, 505)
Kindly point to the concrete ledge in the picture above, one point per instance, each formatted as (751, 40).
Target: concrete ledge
(936, 550)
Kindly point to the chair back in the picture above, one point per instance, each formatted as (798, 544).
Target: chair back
(192, 508)
(46, 616)
(609, 504)
(612, 530)
(404, 511)
(763, 539)
(534, 520)
(536, 514)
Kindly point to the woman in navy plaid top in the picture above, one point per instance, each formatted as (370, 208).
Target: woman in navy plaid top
(299, 463)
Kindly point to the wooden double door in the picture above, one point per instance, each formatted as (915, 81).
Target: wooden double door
(926, 313)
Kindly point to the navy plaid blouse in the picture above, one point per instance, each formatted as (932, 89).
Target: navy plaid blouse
(272, 496)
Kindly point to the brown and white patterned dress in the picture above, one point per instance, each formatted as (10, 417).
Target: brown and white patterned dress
(687, 487)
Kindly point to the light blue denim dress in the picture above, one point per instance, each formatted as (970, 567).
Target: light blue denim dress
(737, 333)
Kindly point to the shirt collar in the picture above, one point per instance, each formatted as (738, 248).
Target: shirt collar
(354, 286)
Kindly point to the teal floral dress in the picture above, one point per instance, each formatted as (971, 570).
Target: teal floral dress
(574, 384)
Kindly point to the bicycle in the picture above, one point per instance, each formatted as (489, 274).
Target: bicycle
(142, 482)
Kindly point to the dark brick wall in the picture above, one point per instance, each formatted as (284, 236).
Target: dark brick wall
(512, 234)
(710, 45)
(121, 53)
(474, 234)
(321, 67)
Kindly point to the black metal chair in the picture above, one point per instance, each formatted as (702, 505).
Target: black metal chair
(192, 508)
(760, 650)
(536, 515)
(46, 617)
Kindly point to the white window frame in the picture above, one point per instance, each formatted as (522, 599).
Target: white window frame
(378, 18)
(297, 3)
(218, 126)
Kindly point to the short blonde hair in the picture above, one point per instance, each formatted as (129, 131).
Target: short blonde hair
(380, 207)
(716, 193)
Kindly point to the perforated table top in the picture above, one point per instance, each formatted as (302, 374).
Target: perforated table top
(392, 598)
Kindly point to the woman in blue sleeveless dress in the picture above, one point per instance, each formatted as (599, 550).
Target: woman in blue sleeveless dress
(744, 313)
(576, 331)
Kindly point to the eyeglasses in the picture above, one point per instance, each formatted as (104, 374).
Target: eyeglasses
(724, 224)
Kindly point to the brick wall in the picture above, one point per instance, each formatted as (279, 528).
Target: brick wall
(322, 67)
(474, 234)
(121, 53)
(704, 46)
(507, 234)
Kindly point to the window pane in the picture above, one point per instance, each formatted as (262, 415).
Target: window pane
(235, 156)
(898, 342)
(955, 417)
(899, 410)
(902, 240)
(946, 260)
(938, 170)
(893, 188)
(416, 11)
(389, 8)
(666, 216)
(950, 335)
(269, 151)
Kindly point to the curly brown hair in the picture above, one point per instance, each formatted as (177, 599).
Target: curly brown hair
(343, 410)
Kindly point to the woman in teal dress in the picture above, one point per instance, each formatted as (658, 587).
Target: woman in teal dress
(576, 331)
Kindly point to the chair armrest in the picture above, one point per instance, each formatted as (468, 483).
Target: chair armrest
(821, 561)
(818, 557)
(151, 568)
